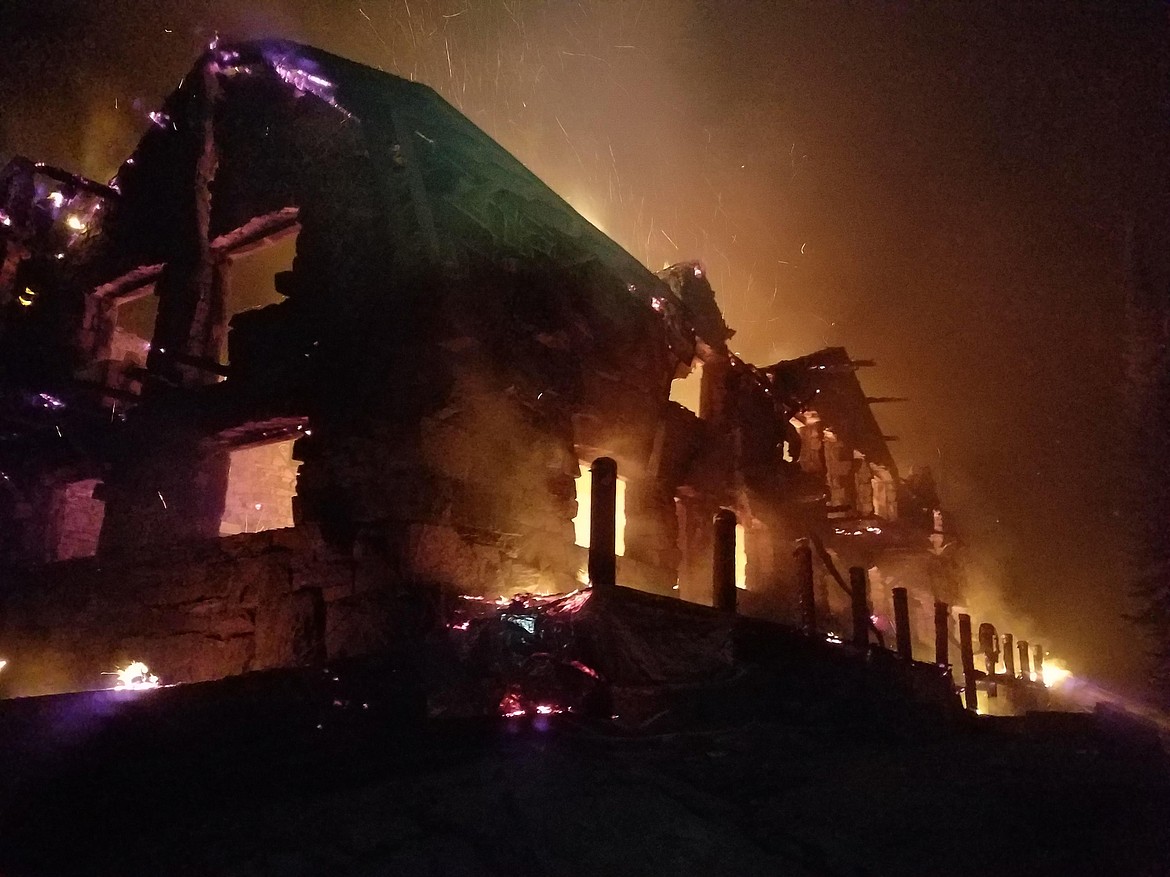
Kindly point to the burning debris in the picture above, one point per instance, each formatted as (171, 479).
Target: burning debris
(527, 647)
(135, 676)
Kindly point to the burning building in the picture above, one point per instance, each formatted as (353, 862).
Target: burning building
(323, 355)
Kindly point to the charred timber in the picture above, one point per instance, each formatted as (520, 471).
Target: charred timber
(724, 560)
(902, 623)
(970, 693)
(603, 524)
(859, 600)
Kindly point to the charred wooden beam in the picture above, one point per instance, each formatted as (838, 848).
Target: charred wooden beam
(200, 362)
(724, 560)
(989, 645)
(902, 624)
(823, 554)
(106, 390)
(603, 524)
(1009, 655)
(859, 599)
(78, 181)
(1025, 669)
(1038, 662)
(942, 644)
(805, 585)
(970, 693)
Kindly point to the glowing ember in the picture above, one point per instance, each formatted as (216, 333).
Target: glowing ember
(584, 668)
(572, 603)
(135, 677)
(859, 532)
(511, 706)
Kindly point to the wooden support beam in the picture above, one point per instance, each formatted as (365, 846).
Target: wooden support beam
(968, 654)
(942, 634)
(1025, 668)
(724, 560)
(845, 586)
(1009, 655)
(603, 524)
(902, 624)
(859, 599)
(200, 362)
(805, 587)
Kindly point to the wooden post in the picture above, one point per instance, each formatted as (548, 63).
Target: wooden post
(724, 560)
(859, 595)
(1038, 662)
(942, 634)
(989, 645)
(1025, 671)
(968, 656)
(805, 586)
(1009, 655)
(602, 524)
(902, 623)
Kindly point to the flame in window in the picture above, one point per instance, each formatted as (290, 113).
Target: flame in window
(581, 521)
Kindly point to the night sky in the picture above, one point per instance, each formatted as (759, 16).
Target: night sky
(948, 188)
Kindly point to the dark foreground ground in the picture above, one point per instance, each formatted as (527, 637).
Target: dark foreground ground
(192, 782)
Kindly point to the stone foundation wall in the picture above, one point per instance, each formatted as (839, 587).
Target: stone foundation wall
(253, 601)
(192, 613)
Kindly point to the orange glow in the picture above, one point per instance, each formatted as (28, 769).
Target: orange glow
(261, 486)
(687, 390)
(741, 556)
(1054, 673)
(581, 522)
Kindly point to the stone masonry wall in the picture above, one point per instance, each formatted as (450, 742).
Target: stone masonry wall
(79, 520)
(193, 612)
(253, 601)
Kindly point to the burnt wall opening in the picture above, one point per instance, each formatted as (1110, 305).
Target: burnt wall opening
(248, 281)
(261, 486)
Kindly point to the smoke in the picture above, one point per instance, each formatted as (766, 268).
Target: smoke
(991, 554)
